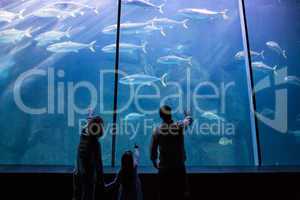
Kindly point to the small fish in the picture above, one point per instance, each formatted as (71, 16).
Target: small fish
(144, 4)
(198, 13)
(73, 6)
(65, 47)
(276, 47)
(133, 116)
(125, 48)
(224, 141)
(263, 67)
(174, 60)
(53, 13)
(9, 36)
(6, 16)
(212, 116)
(241, 55)
(169, 23)
(292, 80)
(51, 37)
(142, 79)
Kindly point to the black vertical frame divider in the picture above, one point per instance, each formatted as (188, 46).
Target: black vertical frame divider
(251, 93)
(116, 79)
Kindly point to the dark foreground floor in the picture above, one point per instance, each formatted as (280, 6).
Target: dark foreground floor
(209, 184)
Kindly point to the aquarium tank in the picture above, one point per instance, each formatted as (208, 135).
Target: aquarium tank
(230, 64)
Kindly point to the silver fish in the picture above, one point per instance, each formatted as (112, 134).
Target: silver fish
(51, 37)
(174, 60)
(65, 47)
(9, 36)
(276, 47)
(133, 116)
(73, 6)
(212, 116)
(142, 79)
(53, 13)
(6, 16)
(241, 55)
(144, 4)
(263, 67)
(125, 48)
(292, 80)
(198, 13)
(169, 23)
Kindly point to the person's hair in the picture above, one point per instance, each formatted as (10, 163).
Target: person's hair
(165, 112)
(127, 169)
(95, 126)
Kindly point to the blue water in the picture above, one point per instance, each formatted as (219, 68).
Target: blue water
(51, 138)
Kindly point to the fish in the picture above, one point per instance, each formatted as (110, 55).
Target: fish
(9, 36)
(51, 37)
(263, 67)
(133, 116)
(199, 13)
(241, 55)
(53, 13)
(212, 116)
(174, 60)
(224, 141)
(73, 6)
(125, 48)
(144, 4)
(169, 23)
(69, 46)
(294, 80)
(130, 28)
(6, 16)
(276, 47)
(267, 112)
(143, 79)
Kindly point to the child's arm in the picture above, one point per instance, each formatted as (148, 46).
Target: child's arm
(187, 121)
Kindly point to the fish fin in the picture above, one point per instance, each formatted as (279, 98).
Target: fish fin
(28, 32)
(262, 54)
(20, 14)
(92, 46)
(162, 32)
(184, 23)
(68, 32)
(160, 8)
(163, 80)
(190, 60)
(284, 54)
(225, 14)
(144, 47)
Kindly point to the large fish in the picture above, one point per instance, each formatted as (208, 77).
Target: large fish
(212, 116)
(53, 13)
(276, 47)
(294, 80)
(142, 79)
(174, 60)
(241, 55)
(125, 48)
(65, 47)
(168, 23)
(6, 16)
(51, 37)
(263, 67)
(198, 13)
(73, 7)
(144, 4)
(130, 28)
(133, 117)
(9, 36)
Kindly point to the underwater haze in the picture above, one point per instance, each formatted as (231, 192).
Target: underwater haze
(57, 61)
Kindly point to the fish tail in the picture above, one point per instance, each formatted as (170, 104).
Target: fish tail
(284, 54)
(144, 47)
(162, 32)
(160, 8)
(262, 54)
(184, 23)
(92, 46)
(190, 60)
(28, 32)
(68, 32)
(96, 11)
(224, 14)
(20, 14)
(163, 80)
